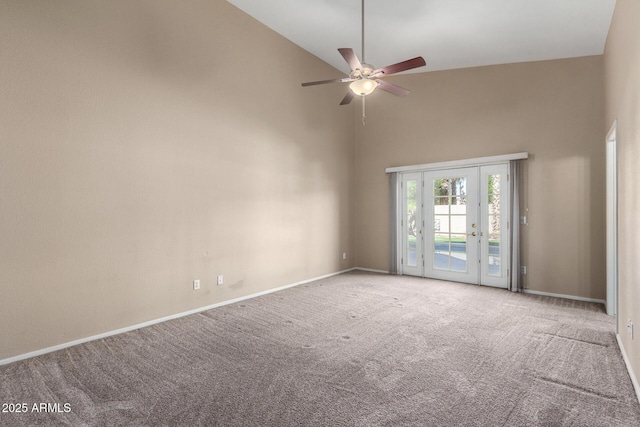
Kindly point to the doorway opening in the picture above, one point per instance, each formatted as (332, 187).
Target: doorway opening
(454, 224)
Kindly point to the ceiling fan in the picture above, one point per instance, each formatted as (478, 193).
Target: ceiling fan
(365, 78)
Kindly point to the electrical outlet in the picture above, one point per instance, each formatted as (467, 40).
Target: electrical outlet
(196, 285)
(220, 280)
(344, 255)
(523, 269)
(630, 328)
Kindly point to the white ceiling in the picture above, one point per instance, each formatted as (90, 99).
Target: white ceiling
(447, 33)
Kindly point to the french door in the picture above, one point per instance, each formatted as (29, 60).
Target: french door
(454, 224)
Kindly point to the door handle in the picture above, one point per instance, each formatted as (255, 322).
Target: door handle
(474, 234)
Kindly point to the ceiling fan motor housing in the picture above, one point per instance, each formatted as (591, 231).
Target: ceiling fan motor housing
(365, 72)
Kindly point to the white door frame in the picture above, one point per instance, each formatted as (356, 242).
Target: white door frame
(612, 222)
(422, 267)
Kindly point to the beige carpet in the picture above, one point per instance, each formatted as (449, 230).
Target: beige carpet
(358, 349)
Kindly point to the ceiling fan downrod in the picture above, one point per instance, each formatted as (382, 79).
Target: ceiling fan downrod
(364, 116)
(362, 28)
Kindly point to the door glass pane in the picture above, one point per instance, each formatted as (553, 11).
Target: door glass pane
(441, 251)
(459, 252)
(411, 234)
(493, 225)
(458, 224)
(450, 224)
(441, 188)
(459, 205)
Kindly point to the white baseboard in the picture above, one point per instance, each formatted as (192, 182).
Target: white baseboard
(549, 294)
(370, 270)
(634, 379)
(160, 320)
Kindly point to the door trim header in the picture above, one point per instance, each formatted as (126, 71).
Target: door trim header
(478, 161)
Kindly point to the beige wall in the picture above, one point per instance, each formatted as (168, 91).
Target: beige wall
(622, 77)
(552, 109)
(146, 144)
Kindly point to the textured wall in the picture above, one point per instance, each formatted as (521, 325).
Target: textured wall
(552, 109)
(146, 144)
(622, 77)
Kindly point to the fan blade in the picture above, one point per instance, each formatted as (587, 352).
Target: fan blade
(391, 88)
(321, 82)
(351, 58)
(409, 64)
(347, 98)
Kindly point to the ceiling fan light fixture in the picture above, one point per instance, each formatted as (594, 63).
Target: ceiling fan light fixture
(363, 87)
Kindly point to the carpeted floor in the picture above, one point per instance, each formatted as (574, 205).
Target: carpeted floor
(359, 349)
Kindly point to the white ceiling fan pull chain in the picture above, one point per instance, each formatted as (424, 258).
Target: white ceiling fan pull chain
(363, 110)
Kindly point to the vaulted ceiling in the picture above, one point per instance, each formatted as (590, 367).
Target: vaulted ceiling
(449, 34)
